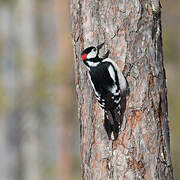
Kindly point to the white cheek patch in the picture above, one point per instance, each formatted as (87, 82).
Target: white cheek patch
(92, 64)
(92, 54)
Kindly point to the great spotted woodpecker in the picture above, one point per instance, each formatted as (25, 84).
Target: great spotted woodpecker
(109, 85)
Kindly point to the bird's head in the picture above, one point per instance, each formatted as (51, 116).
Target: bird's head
(90, 55)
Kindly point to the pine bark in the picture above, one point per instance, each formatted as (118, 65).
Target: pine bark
(132, 31)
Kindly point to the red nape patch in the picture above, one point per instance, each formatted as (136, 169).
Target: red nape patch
(84, 56)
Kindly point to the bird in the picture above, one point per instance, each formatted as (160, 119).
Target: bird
(109, 85)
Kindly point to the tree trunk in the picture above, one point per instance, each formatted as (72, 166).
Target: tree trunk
(132, 30)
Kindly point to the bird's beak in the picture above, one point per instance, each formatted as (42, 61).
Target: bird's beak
(100, 46)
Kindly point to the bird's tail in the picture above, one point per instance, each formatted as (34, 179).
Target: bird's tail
(112, 123)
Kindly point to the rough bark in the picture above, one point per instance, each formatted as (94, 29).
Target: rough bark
(142, 148)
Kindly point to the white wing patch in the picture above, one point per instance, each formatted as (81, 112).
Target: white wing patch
(112, 73)
(114, 88)
(117, 92)
(122, 80)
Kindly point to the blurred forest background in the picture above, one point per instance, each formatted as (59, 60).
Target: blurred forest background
(39, 129)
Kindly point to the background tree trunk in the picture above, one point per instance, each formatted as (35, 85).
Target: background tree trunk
(142, 148)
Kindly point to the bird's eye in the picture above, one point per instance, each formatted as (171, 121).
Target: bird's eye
(94, 49)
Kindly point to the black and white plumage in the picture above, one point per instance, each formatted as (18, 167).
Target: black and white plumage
(109, 85)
